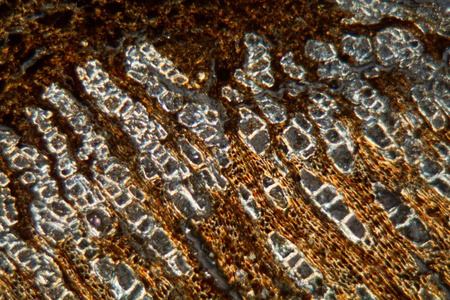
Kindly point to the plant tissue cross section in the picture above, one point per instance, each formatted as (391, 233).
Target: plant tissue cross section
(246, 150)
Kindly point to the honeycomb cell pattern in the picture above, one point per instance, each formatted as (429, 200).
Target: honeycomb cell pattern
(312, 161)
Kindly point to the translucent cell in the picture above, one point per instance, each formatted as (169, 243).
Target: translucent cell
(135, 213)
(444, 151)
(326, 195)
(77, 187)
(412, 148)
(252, 209)
(105, 269)
(260, 142)
(19, 161)
(274, 111)
(397, 46)
(296, 140)
(342, 157)
(338, 210)
(251, 124)
(148, 168)
(442, 185)
(415, 231)
(4, 180)
(170, 101)
(137, 292)
(56, 142)
(305, 270)
(333, 136)
(161, 243)
(66, 166)
(136, 69)
(99, 219)
(386, 198)
(207, 133)
(274, 192)
(430, 168)
(291, 68)
(359, 48)
(377, 134)
(400, 214)
(319, 50)
(147, 226)
(191, 152)
(355, 226)
(185, 202)
(232, 95)
(125, 276)
(179, 265)
(310, 182)
(281, 245)
(118, 173)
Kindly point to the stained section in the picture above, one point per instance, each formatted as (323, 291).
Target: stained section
(178, 150)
